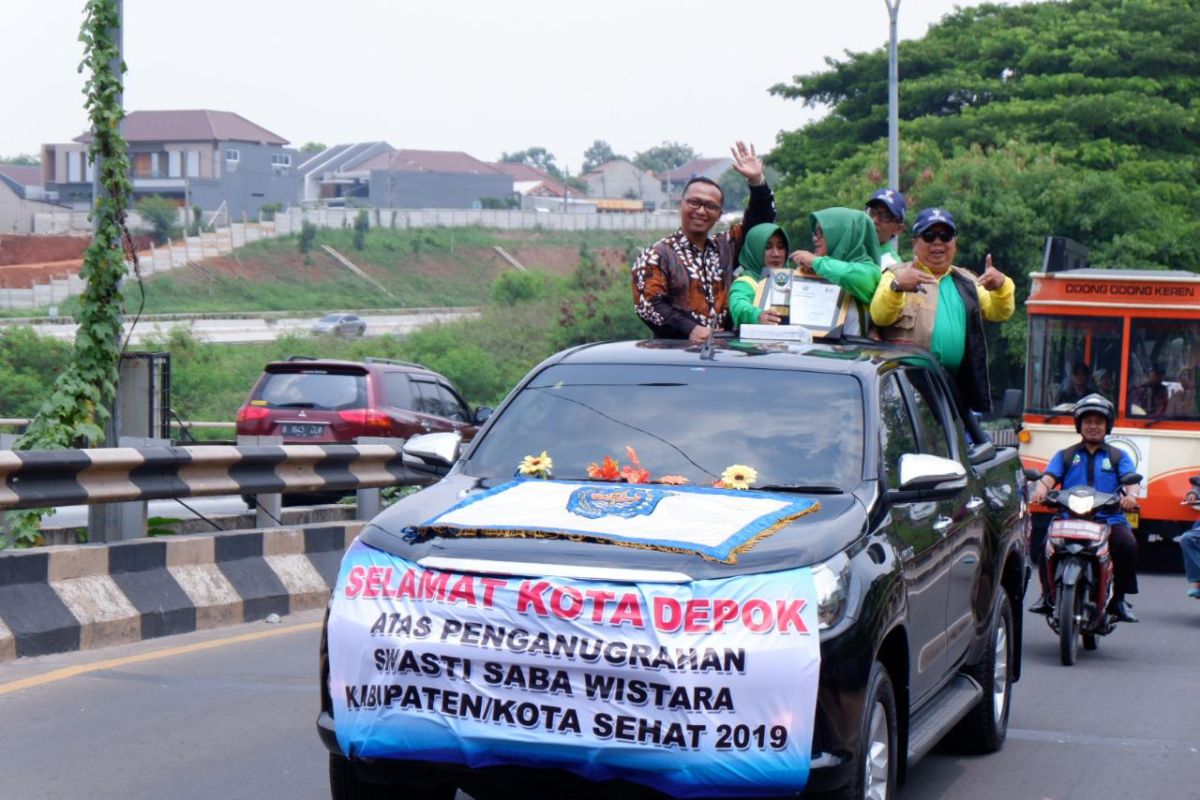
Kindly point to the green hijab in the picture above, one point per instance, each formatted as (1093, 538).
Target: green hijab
(755, 247)
(849, 235)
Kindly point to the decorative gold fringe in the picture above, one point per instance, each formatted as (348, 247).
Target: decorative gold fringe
(500, 533)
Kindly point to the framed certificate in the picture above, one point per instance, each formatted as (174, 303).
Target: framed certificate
(803, 300)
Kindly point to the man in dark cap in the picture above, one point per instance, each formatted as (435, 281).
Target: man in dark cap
(886, 209)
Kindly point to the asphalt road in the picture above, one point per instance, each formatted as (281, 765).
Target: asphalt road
(229, 714)
(239, 331)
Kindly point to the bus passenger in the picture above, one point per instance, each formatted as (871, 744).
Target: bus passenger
(1150, 398)
(766, 245)
(1078, 387)
(1105, 383)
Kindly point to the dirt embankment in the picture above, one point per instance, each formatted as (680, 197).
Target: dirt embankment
(25, 260)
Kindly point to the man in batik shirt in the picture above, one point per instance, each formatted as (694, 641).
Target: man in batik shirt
(681, 283)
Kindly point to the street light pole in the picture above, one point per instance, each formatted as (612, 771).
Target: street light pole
(893, 7)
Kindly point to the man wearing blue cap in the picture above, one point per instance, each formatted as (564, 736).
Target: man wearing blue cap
(886, 208)
(941, 307)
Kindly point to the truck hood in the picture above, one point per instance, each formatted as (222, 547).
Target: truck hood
(814, 537)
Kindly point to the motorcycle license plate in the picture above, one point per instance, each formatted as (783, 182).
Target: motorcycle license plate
(1132, 516)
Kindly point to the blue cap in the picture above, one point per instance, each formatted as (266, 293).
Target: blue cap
(893, 200)
(928, 217)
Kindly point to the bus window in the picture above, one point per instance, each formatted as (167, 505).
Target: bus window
(1164, 362)
(1070, 357)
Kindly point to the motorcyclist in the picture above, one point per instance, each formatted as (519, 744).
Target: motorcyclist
(1101, 466)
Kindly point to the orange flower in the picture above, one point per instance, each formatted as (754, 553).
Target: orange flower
(608, 470)
(635, 475)
(673, 480)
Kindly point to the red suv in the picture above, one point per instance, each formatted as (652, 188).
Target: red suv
(315, 401)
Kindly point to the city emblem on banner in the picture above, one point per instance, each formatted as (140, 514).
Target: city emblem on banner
(595, 502)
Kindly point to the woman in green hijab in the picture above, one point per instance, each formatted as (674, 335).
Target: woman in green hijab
(846, 253)
(766, 245)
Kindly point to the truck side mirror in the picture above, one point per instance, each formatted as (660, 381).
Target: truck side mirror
(432, 453)
(1014, 403)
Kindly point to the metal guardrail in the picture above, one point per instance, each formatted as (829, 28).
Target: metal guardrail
(37, 478)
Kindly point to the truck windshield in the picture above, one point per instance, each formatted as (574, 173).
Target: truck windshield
(1069, 357)
(793, 428)
(1164, 358)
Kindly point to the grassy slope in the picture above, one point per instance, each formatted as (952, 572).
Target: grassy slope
(432, 267)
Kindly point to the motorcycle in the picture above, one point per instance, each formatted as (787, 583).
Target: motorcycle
(1077, 560)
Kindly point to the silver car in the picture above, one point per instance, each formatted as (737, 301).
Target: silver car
(340, 325)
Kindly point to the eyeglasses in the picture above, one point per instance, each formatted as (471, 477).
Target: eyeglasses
(940, 236)
(695, 204)
(882, 214)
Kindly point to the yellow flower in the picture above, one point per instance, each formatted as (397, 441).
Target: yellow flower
(536, 466)
(738, 476)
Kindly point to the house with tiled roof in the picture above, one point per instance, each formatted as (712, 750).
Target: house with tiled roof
(196, 157)
(21, 196)
(529, 181)
(621, 179)
(434, 179)
(711, 168)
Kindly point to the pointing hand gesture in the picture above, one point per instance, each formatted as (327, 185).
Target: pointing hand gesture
(747, 162)
(992, 278)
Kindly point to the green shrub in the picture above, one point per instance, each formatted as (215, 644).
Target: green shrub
(308, 235)
(361, 224)
(269, 210)
(161, 215)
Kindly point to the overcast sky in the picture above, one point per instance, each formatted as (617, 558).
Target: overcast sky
(484, 76)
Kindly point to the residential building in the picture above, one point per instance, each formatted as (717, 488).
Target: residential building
(432, 179)
(711, 168)
(21, 196)
(198, 158)
(334, 175)
(623, 180)
(531, 183)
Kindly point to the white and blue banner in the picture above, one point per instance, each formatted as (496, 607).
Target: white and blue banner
(700, 689)
(714, 523)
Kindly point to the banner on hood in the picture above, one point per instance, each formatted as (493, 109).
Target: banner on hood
(697, 689)
(716, 524)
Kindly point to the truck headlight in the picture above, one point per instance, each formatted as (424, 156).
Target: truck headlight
(831, 579)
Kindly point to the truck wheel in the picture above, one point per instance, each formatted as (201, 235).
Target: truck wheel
(1070, 603)
(878, 753)
(344, 784)
(985, 728)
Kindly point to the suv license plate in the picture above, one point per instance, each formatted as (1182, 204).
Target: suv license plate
(303, 429)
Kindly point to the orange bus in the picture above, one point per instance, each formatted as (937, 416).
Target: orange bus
(1134, 336)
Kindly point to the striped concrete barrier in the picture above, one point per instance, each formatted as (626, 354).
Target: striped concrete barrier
(58, 599)
(36, 478)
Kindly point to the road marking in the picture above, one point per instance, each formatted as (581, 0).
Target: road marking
(1120, 742)
(113, 663)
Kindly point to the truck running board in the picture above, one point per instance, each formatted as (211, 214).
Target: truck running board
(937, 717)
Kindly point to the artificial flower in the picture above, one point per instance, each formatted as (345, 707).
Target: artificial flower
(635, 473)
(608, 470)
(737, 476)
(536, 466)
(673, 480)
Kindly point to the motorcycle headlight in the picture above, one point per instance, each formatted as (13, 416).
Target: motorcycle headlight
(1081, 503)
(832, 581)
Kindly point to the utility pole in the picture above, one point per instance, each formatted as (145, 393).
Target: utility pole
(893, 7)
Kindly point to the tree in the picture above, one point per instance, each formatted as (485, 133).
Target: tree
(1074, 118)
(538, 157)
(21, 160)
(162, 216)
(312, 147)
(599, 153)
(664, 157)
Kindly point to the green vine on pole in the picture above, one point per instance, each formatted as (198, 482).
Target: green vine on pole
(77, 410)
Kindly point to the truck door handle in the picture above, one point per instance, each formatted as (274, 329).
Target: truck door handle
(941, 525)
(974, 504)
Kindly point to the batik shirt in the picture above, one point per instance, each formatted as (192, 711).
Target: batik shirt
(677, 286)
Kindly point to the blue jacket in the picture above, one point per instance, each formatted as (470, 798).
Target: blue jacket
(1092, 469)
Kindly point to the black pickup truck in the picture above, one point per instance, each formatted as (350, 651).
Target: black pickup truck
(747, 569)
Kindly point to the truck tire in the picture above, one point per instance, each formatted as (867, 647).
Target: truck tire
(986, 727)
(878, 759)
(344, 784)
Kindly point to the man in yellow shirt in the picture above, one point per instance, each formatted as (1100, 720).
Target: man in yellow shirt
(941, 307)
